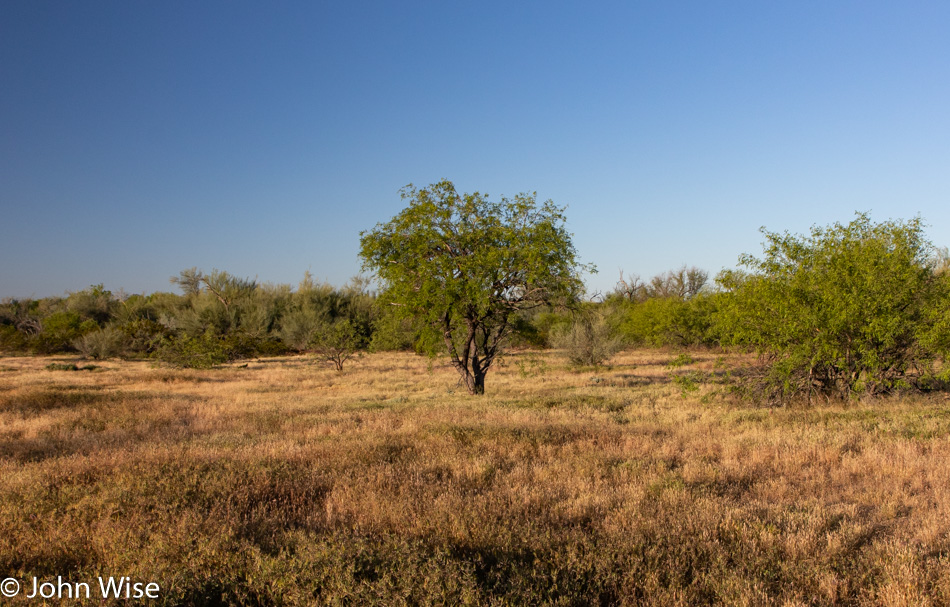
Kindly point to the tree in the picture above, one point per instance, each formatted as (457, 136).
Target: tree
(337, 342)
(222, 303)
(466, 266)
(684, 283)
(840, 311)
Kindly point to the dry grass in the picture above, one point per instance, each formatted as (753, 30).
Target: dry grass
(284, 482)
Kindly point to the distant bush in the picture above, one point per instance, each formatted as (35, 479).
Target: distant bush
(194, 352)
(69, 367)
(143, 335)
(681, 360)
(526, 334)
(589, 340)
(299, 326)
(104, 343)
(94, 303)
(59, 330)
(391, 333)
(12, 340)
(547, 323)
(668, 321)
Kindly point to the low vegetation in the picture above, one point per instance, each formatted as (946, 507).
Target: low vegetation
(281, 481)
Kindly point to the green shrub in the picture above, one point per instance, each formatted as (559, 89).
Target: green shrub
(840, 311)
(194, 352)
(94, 303)
(391, 332)
(12, 340)
(69, 367)
(59, 329)
(686, 381)
(681, 360)
(668, 321)
(299, 326)
(143, 335)
(526, 334)
(338, 342)
(270, 346)
(549, 323)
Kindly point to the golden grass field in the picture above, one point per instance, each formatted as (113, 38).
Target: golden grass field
(282, 482)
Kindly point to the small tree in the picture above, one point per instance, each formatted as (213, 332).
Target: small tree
(466, 266)
(337, 342)
(839, 311)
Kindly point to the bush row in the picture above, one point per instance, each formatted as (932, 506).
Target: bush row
(849, 309)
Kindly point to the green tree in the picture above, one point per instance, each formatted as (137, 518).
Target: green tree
(466, 266)
(839, 311)
(337, 342)
(95, 303)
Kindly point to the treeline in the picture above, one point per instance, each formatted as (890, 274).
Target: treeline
(855, 308)
(216, 318)
(219, 317)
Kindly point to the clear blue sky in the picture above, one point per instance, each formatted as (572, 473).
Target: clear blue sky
(141, 138)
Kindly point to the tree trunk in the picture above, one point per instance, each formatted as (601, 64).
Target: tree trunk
(479, 383)
(474, 381)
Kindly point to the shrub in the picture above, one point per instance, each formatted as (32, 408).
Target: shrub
(589, 340)
(94, 303)
(104, 343)
(669, 321)
(686, 381)
(840, 311)
(548, 323)
(143, 335)
(194, 352)
(299, 326)
(12, 340)
(338, 342)
(392, 332)
(59, 329)
(69, 367)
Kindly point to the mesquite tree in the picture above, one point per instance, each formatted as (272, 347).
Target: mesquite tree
(467, 266)
(846, 309)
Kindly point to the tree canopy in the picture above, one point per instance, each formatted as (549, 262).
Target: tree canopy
(467, 266)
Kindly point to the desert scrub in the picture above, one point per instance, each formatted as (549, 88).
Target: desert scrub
(103, 343)
(589, 341)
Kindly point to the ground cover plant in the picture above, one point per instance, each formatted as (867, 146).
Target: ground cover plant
(280, 481)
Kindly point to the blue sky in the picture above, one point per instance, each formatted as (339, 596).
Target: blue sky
(140, 139)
